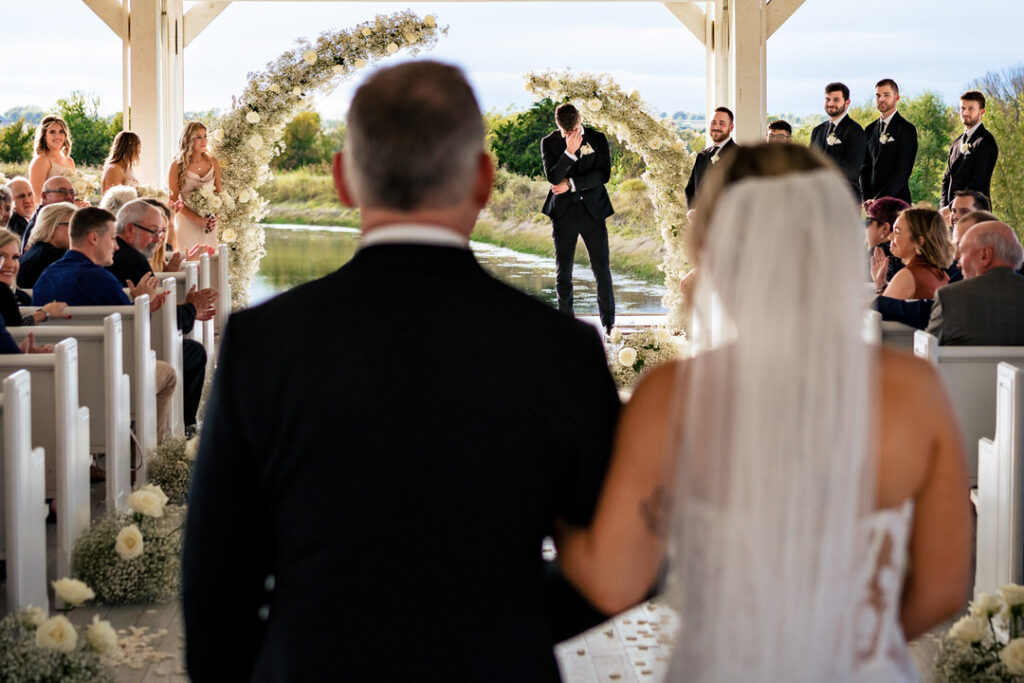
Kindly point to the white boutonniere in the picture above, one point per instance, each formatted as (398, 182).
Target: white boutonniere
(885, 138)
(833, 140)
(965, 147)
(714, 159)
(586, 149)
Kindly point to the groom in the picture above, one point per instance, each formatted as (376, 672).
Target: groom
(577, 163)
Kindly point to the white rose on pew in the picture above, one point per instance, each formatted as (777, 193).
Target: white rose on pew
(156, 491)
(310, 57)
(615, 336)
(627, 357)
(228, 236)
(1012, 657)
(192, 447)
(986, 605)
(57, 633)
(969, 630)
(129, 544)
(146, 503)
(1013, 595)
(252, 117)
(72, 591)
(101, 635)
(32, 616)
(663, 336)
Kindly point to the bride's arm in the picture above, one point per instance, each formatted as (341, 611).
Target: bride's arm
(615, 562)
(940, 546)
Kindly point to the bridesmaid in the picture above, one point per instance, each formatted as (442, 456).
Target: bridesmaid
(52, 152)
(120, 164)
(192, 168)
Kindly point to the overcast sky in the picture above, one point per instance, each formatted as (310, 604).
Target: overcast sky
(918, 42)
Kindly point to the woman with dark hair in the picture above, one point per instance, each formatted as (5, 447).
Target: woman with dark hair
(120, 163)
(921, 240)
(880, 215)
(52, 153)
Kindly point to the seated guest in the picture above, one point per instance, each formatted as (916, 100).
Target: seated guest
(780, 131)
(966, 201)
(24, 204)
(11, 297)
(80, 278)
(987, 308)
(881, 214)
(48, 243)
(140, 229)
(55, 190)
(6, 202)
(921, 240)
(117, 196)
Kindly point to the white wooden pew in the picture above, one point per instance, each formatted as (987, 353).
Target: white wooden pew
(207, 279)
(872, 331)
(1000, 552)
(898, 335)
(184, 280)
(221, 281)
(167, 339)
(105, 390)
(22, 498)
(969, 373)
(61, 427)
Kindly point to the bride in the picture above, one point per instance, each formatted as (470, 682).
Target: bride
(810, 489)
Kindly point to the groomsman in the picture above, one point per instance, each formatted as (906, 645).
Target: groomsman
(841, 138)
(972, 156)
(892, 148)
(720, 130)
(779, 131)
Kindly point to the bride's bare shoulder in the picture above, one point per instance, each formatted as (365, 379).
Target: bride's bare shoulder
(903, 371)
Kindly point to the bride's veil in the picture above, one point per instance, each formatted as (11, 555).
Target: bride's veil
(773, 474)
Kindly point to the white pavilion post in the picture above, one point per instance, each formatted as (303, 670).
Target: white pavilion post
(747, 49)
(148, 87)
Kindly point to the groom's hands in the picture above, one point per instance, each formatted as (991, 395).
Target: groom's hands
(573, 140)
(561, 188)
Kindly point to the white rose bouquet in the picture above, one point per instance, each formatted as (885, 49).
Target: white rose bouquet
(133, 556)
(206, 201)
(171, 467)
(86, 185)
(987, 644)
(153, 192)
(631, 355)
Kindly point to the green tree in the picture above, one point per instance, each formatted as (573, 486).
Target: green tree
(303, 141)
(91, 134)
(515, 141)
(936, 126)
(16, 142)
(1004, 117)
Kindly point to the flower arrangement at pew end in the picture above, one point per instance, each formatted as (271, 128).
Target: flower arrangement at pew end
(631, 355)
(987, 644)
(37, 647)
(171, 467)
(133, 556)
(153, 192)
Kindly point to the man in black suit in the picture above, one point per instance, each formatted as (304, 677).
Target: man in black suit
(892, 148)
(386, 447)
(24, 204)
(973, 155)
(987, 307)
(720, 130)
(841, 138)
(577, 163)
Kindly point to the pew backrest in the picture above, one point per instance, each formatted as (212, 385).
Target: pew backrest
(898, 335)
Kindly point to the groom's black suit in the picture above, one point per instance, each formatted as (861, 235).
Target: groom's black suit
(391, 442)
(701, 165)
(887, 167)
(580, 212)
(848, 152)
(972, 171)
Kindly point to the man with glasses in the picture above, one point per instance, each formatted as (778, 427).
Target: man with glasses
(140, 230)
(56, 189)
(24, 204)
(780, 131)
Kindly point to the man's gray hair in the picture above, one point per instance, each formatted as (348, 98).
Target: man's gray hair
(117, 196)
(135, 211)
(414, 137)
(1004, 244)
(54, 181)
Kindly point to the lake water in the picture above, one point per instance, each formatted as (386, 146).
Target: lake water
(299, 253)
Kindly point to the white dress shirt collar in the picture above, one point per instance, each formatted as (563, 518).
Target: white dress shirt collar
(888, 119)
(414, 233)
(836, 121)
(970, 131)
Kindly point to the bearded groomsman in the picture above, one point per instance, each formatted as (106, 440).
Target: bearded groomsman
(892, 148)
(841, 138)
(720, 129)
(972, 156)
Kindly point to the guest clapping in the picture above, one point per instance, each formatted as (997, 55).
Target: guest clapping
(881, 215)
(921, 240)
(52, 152)
(118, 169)
(49, 240)
(11, 297)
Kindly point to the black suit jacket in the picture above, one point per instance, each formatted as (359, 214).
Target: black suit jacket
(589, 174)
(17, 224)
(35, 260)
(131, 264)
(701, 165)
(391, 442)
(987, 310)
(848, 153)
(971, 171)
(887, 167)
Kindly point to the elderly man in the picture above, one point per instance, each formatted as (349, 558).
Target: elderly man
(140, 226)
(80, 278)
(987, 307)
(55, 189)
(356, 487)
(24, 204)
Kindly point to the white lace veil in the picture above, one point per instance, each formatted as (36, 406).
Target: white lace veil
(772, 476)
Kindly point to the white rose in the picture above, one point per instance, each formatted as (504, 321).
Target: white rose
(678, 145)
(256, 142)
(72, 591)
(146, 503)
(360, 63)
(391, 48)
(411, 38)
(627, 357)
(635, 95)
(218, 135)
(57, 633)
(297, 91)
(215, 202)
(207, 191)
(192, 447)
(1012, 594)
(129, 543)
(594, 104)
(252, 117)
(662, 336)
(555, 84)
(986, 605)
(101, 635)
(1012, 657)
(274, 87)
(430, 21)
(338, 69)
(615, 336)
(243, 196)
(158, 492)
(655, 144)
(310, 57)
(969, 630)
(367, 31)
(32, 616)
(228, 236)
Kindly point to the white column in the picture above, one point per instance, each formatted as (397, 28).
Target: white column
(174, 78)
(147, 88)
(718, 82)
(747, 57)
